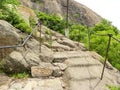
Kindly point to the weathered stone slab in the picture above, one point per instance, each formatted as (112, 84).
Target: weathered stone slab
(44, 70)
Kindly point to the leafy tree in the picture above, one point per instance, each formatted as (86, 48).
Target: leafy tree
(99, 43)
(78, 32)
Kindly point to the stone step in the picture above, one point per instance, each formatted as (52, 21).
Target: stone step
(62, 56)
(47, 70)
(83, 79)
(35, 84)
(95, 84)
(85, 65)
(82, 62)
(81, 73)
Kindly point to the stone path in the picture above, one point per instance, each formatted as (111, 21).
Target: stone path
(82, 73)
(34, 84)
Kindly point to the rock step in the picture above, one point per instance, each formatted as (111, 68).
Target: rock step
(35, 84)
(82, 62)
(83, 79)
(81, 73)
(85, 65)
(62, 56)
(47, 70)
(88, 85)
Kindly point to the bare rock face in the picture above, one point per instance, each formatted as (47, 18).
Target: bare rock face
(46, 54)
(8, 36)
(48, 69)
(23, 59)
(34, 84)
(27, 13)
(20, 59)
(43, 70)
(77, 12)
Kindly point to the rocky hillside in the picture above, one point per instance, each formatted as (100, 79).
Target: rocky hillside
(78, 13)
(59, 64)
(53, 61)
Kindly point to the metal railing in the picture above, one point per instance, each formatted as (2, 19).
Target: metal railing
(107, 49)
(24, 42)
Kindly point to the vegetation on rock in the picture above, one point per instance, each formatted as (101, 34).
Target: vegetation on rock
(20, 75)
(79, 33)
(10, 13)
(98, 43)
(113, 87)
(52, 21)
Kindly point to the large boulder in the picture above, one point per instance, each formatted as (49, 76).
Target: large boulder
(8, 37)
(78, 13)
(8, 34)
(20, 59)
(23, 58)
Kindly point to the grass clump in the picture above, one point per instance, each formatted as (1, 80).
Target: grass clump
(113, 87)
(20, 75)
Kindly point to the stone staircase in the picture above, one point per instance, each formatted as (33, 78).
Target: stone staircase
(83, 72)
(66, 65)
(80, 71)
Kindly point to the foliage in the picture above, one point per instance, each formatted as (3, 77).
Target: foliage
(32, 21)
(24, 27)
(47, 32)
(10, 14)
(99, 43)
(52, 21)
(20, 75)
(4, 2)
(113, 87)
(105, 26)
(78, 32)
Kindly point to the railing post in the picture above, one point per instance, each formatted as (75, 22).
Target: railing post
(67, 26)
(88, 39)
(107, 50)
(40, 25)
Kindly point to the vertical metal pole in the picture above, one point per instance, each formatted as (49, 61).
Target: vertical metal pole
(67, 28)
(51, 39)
(110, 35)
(40, 24)
(88, 39)
(79, 38)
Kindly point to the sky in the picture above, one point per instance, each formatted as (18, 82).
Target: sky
(108, 9)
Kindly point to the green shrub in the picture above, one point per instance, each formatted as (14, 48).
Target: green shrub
(78, 33)
(24, 27)
(32, 22)
(20, 75)
(52, 21)
(99, 43)
(13, 17)
(3, 2)
(113, 87)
